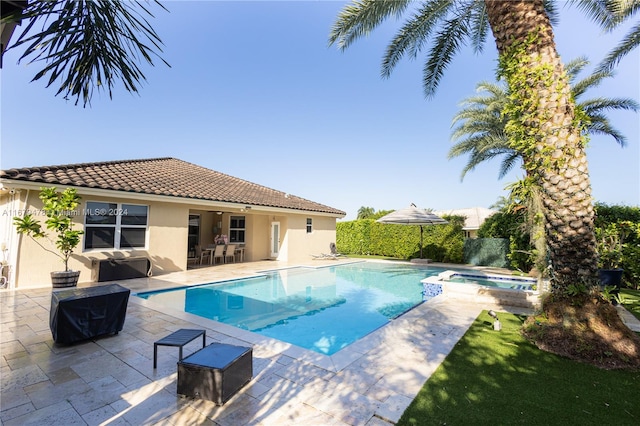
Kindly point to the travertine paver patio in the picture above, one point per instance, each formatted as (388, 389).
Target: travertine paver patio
(111, 380)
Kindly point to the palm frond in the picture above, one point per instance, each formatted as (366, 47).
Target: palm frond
(552, 11)
(480, 28)
(626, 45)
(89, 45)
(600, 125)
(574, 66)
(578, 88)
(448, 42)
(361, 17)
(597, 105)
(603, 12)
(414, 33)
(479, 157)
(508, 163)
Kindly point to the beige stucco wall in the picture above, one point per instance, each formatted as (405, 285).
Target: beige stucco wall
(302, 245)
(257, 237)
(166, 244)
(167, 237)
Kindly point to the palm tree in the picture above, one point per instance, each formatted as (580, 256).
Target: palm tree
(501, 203)
(479, 126)
(548, 138)
(365, 212)
(544, 127)
(86, 44)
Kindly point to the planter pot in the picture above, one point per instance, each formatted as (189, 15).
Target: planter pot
(63, 279)
(611, 277)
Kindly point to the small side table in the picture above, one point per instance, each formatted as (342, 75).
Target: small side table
(178, 338)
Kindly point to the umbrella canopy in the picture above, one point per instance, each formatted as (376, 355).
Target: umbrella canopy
(412, 216)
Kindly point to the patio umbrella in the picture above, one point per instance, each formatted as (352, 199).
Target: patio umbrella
(412, 216)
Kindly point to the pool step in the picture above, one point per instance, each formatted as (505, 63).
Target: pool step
(491, 295)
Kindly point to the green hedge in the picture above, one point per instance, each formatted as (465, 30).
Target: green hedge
(509, 225)
(441, 243)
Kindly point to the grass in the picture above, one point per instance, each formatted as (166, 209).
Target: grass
(631, 301)
(493, 377)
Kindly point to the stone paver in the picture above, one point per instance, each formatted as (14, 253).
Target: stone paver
(111, 380)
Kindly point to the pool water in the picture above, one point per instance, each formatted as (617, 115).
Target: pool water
(323, 309)
(507, 282)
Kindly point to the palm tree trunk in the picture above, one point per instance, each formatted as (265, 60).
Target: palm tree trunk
(550, 138)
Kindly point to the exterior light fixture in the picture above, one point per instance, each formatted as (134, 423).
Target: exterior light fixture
(497, 326)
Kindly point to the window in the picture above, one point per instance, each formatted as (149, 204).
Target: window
(236, 229)
(113, 225)
(309, 225)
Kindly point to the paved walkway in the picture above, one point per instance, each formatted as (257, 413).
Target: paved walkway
(111, 380)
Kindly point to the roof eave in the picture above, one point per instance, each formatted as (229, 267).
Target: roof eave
(9, 184)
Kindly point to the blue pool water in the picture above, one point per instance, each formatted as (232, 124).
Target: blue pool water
(323, 309)
(494, 281)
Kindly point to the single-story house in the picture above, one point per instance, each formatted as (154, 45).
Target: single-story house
(158, 209)
(474, 217)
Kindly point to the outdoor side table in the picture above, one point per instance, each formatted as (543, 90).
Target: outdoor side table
(216, 372)
(179, 339)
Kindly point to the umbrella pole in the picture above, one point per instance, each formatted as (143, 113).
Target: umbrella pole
(420, 241)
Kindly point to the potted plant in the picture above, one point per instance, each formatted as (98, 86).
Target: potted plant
(59, 208)
(221, 239)
(610, 242)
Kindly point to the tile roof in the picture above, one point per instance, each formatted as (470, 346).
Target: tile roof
(168, 177)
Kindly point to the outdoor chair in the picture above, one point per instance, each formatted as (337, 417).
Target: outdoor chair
(334, 250)
(332, 255)
(230, 253)
(218, 253)
(201, 255)
(193, 259)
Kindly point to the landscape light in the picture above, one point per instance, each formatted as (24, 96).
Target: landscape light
(497, 326)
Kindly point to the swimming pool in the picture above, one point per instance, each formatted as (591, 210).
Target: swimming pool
(322, 309)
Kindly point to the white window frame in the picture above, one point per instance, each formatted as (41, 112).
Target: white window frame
(244, 229)
(117, 212)
(309, 225)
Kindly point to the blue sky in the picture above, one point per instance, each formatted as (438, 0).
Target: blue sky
(255, 91)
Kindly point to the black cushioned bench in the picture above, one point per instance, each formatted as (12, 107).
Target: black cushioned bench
(216, 372)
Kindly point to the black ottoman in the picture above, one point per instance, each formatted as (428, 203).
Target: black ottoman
(215, 372)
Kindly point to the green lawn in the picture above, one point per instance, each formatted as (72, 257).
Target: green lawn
(499, 378)
(631, 301)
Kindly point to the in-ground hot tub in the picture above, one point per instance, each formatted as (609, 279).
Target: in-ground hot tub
(485, 288)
